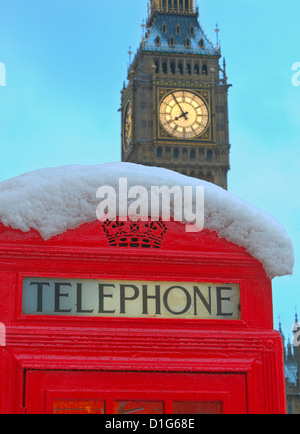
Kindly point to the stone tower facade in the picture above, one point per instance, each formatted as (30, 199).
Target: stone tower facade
(292, 368)
(175, 105)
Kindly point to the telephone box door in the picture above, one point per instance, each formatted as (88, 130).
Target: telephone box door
(76, 392)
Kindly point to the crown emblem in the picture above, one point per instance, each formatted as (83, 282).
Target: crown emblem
(136, 234)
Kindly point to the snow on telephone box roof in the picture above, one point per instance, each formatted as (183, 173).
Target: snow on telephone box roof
(53, 200)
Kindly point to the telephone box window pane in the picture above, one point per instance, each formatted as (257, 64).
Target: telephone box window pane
(138, 407)
(194, 407)
(78, 407)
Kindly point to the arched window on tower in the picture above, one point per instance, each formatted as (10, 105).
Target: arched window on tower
(180, 68)
(209, 177)
(173, 67)
(209, 156)
(178, 29)
(159, 152)
(164, 67)
(180, 5)
(196, 69)
(172, 41)
(204, 69)
(164, 4)
(187, 43)
(157, 41)
(188, 69)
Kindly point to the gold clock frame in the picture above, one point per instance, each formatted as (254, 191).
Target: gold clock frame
(206, 93)
(127, 98)
(126, 146)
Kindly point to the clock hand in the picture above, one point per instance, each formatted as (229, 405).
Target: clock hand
(183, 114)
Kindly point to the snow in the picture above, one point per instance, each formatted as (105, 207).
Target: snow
(53, 200)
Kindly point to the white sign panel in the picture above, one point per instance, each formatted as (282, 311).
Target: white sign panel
(131, 299)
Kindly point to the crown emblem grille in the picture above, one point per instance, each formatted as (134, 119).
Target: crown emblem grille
(135, 234)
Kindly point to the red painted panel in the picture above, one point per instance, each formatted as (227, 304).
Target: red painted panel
(141, 393)
(93, 235)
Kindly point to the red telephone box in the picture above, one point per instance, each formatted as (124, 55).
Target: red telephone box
(83, 359)
(136, 317)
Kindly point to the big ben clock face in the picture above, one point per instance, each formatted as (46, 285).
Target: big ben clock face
(128, 126)
(184, 114)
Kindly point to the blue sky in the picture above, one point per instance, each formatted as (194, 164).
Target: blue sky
(66, 61)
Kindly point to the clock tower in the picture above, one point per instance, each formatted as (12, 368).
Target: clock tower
(175, 105)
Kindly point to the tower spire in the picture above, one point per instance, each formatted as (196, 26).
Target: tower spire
(290, 356)
(283, 338)
(130, 52)
(217, 30)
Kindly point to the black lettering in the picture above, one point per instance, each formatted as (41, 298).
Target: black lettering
(155, 297)
(188, 300)
(58, 296)
(123, 297)
(206, 303)
(102, 296)
(79, 300)
(40, 294)
(220, 300)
